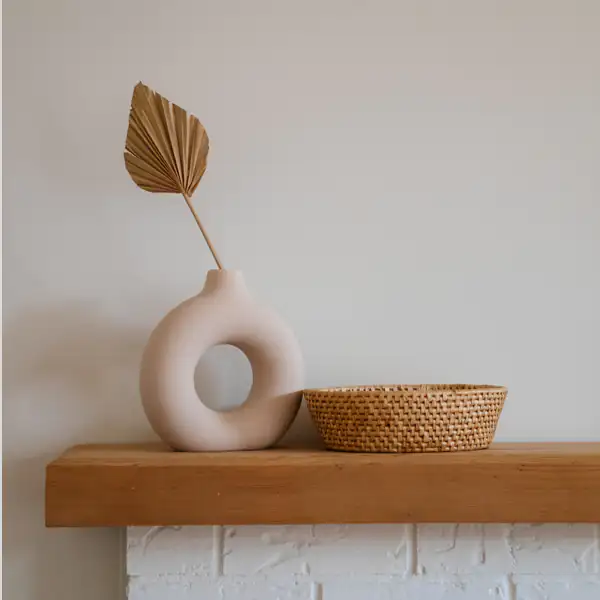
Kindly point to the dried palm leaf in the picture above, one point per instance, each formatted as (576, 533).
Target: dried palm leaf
(166, 149)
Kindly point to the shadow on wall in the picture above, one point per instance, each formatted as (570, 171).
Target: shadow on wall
(303, 433)
(70, 376)
(223, 379)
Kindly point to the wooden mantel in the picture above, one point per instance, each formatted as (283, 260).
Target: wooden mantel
(147, 484)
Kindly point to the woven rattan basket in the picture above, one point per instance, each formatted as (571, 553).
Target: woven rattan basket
(407, 418)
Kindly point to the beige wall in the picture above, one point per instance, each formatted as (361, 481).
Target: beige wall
(413, 185)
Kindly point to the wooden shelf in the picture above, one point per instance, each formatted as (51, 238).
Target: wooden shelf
(147, 484)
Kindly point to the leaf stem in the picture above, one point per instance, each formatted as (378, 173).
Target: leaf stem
(188, 201)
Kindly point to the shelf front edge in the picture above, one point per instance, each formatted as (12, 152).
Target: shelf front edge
(104, 486)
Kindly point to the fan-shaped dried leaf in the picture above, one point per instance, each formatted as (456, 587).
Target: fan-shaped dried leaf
(166, 149)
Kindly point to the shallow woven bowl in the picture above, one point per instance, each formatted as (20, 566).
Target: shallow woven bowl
(407, 418)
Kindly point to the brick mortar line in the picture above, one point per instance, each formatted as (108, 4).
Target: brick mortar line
(218, 543)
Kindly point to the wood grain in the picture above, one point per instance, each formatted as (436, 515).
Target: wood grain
(148, 484)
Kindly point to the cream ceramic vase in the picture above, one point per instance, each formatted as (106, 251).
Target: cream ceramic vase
(223, 313)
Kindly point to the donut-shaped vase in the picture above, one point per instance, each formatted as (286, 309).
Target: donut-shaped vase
(223, 313)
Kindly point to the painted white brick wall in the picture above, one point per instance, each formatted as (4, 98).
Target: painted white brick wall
(365, 562)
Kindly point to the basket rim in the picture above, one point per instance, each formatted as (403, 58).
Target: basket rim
(436, 388)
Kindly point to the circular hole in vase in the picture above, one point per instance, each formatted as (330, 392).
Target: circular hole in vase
(223, 378)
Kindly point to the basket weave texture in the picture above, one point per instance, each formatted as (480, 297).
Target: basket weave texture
(407, 418)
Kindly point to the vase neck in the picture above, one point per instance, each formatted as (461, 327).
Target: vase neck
(225, 281)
